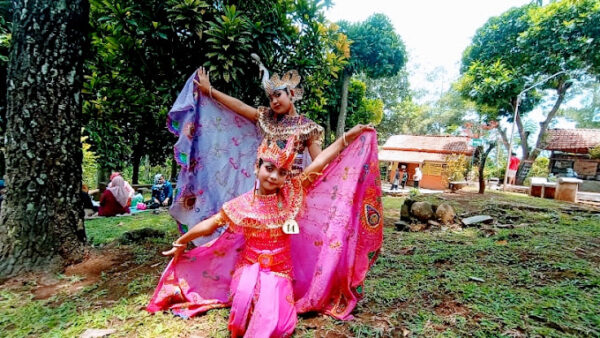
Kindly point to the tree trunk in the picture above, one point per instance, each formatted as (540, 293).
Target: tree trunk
(174, 165)
(482, 159)
(102, 176)
(327, 131)
(135, 169)
(522, 136)
(135, 162)
(42, 215)
(341, 123)
(561, 90)
(502, 133)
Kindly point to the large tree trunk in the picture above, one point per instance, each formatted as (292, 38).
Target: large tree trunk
(42, 215)
(482, 159)
(561, 90)
(341, 123)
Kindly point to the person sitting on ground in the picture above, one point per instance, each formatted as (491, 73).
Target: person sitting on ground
(128, 187)
(115, 199)
(162, 192)
(88, 206)
(137, 198)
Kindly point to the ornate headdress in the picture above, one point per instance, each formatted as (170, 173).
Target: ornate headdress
(289, 80)
(279, 152)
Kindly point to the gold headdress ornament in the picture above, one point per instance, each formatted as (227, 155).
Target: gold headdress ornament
(275, 151)
(289, 80)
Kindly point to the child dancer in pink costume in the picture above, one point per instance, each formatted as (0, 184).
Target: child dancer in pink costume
(295, 244)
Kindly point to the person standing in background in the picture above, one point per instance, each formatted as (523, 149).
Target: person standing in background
(417, 177)
(512, 168)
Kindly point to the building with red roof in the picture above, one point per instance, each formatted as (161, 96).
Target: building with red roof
(571, 150)
(428, 152)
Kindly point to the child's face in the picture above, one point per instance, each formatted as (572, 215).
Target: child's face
(280, 102)
(271, 178)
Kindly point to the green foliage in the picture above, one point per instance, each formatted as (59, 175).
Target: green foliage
(407, 117)
(376, 49)
(595, 152)
(89, 165)
(330, 51)
(144, 51)
(391, 90)
(493, 169)
(362, 110)
(540, 167)
(457, 165)
(444, 116)
(588, 114)
(414, 192)
(525, 45)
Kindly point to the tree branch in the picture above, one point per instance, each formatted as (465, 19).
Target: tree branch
(561, 91)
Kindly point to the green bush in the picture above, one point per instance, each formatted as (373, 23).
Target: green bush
(89, 166)
(595, 152)
(456, 167)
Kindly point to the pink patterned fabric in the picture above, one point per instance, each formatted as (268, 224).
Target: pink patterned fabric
(266, 276)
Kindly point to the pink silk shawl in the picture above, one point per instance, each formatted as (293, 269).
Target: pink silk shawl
(341, 233)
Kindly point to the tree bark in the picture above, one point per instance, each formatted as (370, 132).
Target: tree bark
(341, 123)
(482, 160)
(561, 91)
(174, 166)
(502, 133)
(327, 131)
(135, 163)
(522, 136)
(42, 215)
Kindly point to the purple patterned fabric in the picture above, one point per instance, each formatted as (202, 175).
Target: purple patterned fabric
(216, 150)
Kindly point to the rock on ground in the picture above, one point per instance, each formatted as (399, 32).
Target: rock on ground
(445, 213)
(422, 210)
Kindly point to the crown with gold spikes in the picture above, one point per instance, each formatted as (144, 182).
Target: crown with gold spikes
(289, 80)
(279, 152)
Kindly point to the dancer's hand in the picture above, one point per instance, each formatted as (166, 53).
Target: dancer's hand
(175, 251)
(358, 129)
(203, 81)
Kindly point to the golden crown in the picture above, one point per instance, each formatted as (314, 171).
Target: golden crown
(289, 80)
(279, 152)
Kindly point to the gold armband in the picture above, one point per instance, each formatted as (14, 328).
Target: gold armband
(310, 176)
(221, 218)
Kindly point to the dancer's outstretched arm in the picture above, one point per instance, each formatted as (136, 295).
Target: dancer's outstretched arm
(232, 103)
(204, 228)
(331, 152)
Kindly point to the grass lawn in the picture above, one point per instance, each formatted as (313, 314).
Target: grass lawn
(541, 278)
